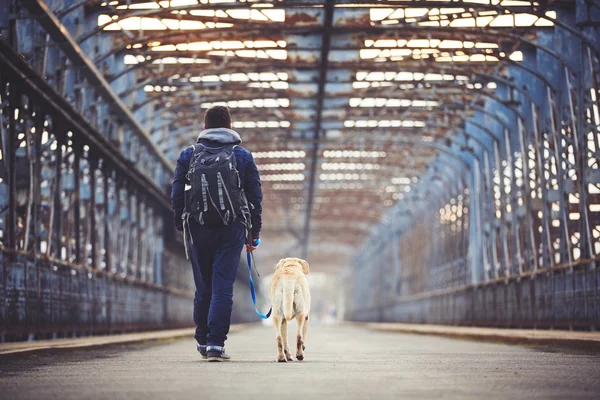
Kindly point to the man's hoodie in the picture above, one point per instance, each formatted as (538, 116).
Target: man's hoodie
(246, 166)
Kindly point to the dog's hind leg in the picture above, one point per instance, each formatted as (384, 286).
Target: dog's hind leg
(284, 334)
(277, 322)
(304, 329)
(300, 337)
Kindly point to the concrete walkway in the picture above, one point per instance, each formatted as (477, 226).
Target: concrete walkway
(92, 341)
(342, 362)
(581, 339)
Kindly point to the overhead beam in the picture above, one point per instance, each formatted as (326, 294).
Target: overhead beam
(326, 43)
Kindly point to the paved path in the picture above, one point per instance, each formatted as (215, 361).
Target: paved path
(342, 362)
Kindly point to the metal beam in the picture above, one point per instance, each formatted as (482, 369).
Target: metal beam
(326, 43)
(38, 87)
(61, 36)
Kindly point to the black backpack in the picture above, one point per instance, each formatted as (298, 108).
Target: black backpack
(213, 194)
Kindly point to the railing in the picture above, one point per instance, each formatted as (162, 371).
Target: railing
(516, 240)
(81, 231)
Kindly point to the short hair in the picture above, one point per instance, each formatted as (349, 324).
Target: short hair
(217, 117)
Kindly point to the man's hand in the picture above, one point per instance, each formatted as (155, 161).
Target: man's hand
(255, 244)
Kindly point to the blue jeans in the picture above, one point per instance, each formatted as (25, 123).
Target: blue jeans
(215, 255)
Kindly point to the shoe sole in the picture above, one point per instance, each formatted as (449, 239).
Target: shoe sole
(217, 359)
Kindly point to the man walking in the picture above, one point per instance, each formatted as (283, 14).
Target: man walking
(216, 196)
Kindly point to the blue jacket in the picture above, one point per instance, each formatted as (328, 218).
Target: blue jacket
(246, 166)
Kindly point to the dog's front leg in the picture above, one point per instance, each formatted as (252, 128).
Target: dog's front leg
(277, 321)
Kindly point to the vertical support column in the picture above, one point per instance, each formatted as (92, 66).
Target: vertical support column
(395, 258)
(11, 171)
(37, 178)
(77, 203)
(517, 260)
(565, 239)
(547, 249)
(116, 221)
(490, 216)
(502, 220)
(28, 131)
(585, 75)
(107, 237)
(475, 246)
(530, 243)
(93, 165)
(37, 205)
(138, 237)
(57, 206)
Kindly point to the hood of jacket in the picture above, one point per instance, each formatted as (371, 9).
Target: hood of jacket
(220, 135)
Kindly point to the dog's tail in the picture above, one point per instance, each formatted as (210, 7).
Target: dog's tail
(288, 299)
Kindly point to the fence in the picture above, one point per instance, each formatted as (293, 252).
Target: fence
(86, 241)
(509, 235)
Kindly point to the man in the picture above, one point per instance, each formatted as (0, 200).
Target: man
(215, 236)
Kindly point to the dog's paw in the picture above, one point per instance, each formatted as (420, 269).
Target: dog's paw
(299, 357)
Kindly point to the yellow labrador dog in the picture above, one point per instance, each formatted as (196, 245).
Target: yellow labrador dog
(290, 299)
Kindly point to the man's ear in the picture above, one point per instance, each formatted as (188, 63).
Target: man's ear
(305, 267)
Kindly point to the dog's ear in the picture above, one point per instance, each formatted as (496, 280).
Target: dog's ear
(280, 264)
(305, 267)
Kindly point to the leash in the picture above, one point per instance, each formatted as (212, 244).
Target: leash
(252, 291)
(249, 259)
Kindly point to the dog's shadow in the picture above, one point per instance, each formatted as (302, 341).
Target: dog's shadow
(276, 362)
(260, 362)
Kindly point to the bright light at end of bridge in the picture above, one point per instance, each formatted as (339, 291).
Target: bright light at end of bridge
(353, 154)
(346, 177)
(279, 154)
(288, 186)
(404, 180)
(282, 177)
(349, 166)
(282, 167)
(250, 103)
(373, 123)
(385, 102)
(261, 124)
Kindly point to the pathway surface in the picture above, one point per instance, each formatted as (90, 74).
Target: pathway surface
(342, 362)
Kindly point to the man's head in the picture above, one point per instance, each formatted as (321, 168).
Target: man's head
(217, 117)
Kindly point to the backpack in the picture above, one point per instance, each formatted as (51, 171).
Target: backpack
(213, 194)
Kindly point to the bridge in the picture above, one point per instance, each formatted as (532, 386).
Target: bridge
(436, 161)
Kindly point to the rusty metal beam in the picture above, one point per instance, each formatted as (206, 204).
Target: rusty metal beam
(324, 62)
(61, 36)
(17, 66)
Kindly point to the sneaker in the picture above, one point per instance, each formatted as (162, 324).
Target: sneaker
(216, 354)
(202, 350)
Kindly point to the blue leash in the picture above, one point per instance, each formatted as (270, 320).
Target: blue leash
(263, 316)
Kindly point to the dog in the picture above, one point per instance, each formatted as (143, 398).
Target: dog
(290, 299)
